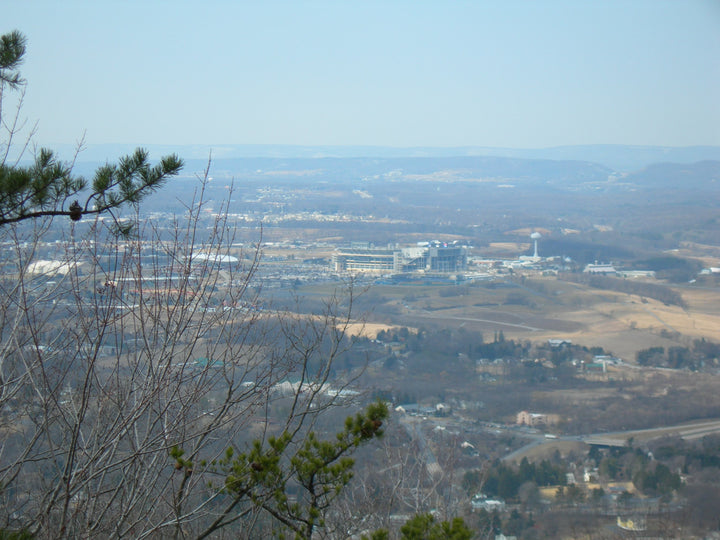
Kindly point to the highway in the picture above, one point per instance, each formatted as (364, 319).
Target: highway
(695, 430)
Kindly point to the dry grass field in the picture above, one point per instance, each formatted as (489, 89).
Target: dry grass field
(368, 330)
(618, 322)
(630, 323)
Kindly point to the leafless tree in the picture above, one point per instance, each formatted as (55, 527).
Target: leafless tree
(400, 477)
(119, 355)
(135, 360)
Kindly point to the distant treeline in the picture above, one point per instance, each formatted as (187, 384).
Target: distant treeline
(586, 250)
(696, 357)
(664, 294)
(697, 454)
(504, 481)
(627, 463)
(444, 342)
(675, 269)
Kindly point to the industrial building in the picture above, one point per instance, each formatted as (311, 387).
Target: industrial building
(436, 257)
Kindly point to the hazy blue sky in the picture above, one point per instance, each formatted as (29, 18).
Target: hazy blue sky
(396, 73)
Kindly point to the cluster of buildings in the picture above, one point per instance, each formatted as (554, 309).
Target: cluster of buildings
(605, 269)
(436, 257)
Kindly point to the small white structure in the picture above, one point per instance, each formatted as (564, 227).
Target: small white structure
(590, 475)
(214, 258)
(603, 269)
(51, 268)
(481, 502)
(441, 409)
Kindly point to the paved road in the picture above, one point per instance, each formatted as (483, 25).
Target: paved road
(696, 430)
(691, 431)
(520, 452)
(473, 319)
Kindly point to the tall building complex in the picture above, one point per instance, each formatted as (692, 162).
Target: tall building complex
(437, 257)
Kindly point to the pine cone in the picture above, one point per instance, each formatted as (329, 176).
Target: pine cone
(75, 211)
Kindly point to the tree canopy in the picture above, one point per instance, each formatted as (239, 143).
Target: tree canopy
(12, 51)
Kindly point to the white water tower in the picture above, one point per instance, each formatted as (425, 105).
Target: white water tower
(535, 236)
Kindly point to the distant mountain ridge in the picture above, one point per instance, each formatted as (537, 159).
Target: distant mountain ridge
(272, 170)
(705, 174)
(619, 158)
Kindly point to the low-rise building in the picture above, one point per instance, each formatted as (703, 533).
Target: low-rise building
(603, 269)
(481, 502)
(525, 418)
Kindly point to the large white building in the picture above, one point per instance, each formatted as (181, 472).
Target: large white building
(603, 269)
(437, 257)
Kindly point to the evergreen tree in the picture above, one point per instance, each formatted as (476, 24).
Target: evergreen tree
(47, 187)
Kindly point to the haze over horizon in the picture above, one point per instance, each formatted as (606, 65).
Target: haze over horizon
(401, 74)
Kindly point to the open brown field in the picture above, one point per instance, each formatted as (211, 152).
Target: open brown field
(369, 330)
(620, 323)
(631, 323)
